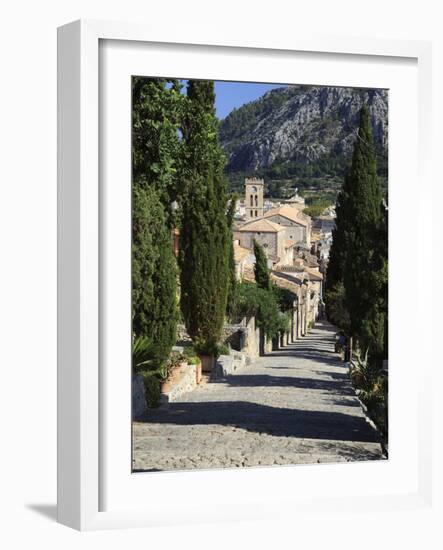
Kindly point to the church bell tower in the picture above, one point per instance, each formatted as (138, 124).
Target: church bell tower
(254, 198)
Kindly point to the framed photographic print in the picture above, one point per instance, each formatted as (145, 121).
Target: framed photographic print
(232, 222)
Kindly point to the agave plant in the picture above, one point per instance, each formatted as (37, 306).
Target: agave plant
(142, 353)
(371, 383)
(361, 372)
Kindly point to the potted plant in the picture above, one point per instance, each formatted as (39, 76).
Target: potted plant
(170, 371)
(207, 352)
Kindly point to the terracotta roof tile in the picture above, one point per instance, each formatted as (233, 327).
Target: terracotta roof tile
(261, 225)
(314, 275)
(289, 212)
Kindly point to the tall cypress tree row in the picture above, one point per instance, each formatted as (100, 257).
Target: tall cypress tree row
(365, 269)
(155, 147)
(154, 273)
(356, 291)
(204, 235)
(335, 300)
(261, 270)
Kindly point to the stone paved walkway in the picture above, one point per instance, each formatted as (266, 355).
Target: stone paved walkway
(293, 406)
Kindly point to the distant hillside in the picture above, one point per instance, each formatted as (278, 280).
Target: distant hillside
(302, 134)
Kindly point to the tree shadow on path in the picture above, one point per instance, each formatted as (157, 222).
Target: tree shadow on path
(335, 386)
(265, 419)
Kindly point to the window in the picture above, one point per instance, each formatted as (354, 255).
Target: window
(256, 213)
(252, 200)
(256, 200)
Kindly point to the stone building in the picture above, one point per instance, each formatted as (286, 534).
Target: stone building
(254, 189)
(271, 236)
(306, 286)
(296, 224)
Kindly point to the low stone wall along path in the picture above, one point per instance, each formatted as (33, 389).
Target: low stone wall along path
(294, 406)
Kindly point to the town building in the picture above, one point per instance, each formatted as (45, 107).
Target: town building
(240, 210)
(271, 236)
(325, 223)
(297, 225)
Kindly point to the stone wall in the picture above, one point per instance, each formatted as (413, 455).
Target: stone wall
(294, 231)
(232, 335)
(251, 345)
(228, 364)
(243, 337)
(268, 345)
(138, 396)
(268, 240)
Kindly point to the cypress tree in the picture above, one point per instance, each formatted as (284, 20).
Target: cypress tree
(204, 235)
(335, 301)
(232, 289)
(156, 110)
(261, 270)
(154, 274)
(365, 269)
(157, 106)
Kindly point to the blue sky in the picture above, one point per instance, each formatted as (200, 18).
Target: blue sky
(234, 94)
(230, 95)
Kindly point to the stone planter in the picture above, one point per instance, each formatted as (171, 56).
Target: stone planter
(207, 362)
(182, 379)
(198, 373)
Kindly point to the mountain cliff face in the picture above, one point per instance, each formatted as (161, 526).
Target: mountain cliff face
(301, 125)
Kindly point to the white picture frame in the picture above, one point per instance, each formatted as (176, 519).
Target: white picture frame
(82, 398)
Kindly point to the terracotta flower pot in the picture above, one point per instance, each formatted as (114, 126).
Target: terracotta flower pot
(207, 362)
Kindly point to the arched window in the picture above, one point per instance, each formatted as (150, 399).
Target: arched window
(252, 200)
(256, 200)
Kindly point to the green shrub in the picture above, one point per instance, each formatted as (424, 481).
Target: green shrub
(264, 305)
(284, 297)
(222, 350)
(152, 388)
(316, 207)
(189, 351)
(205, 348)
(284, 322)
(190, 355)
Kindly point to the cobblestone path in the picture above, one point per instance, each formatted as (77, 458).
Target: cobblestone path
(294, 406)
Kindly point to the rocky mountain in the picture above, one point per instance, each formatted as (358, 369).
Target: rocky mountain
(301, 125)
